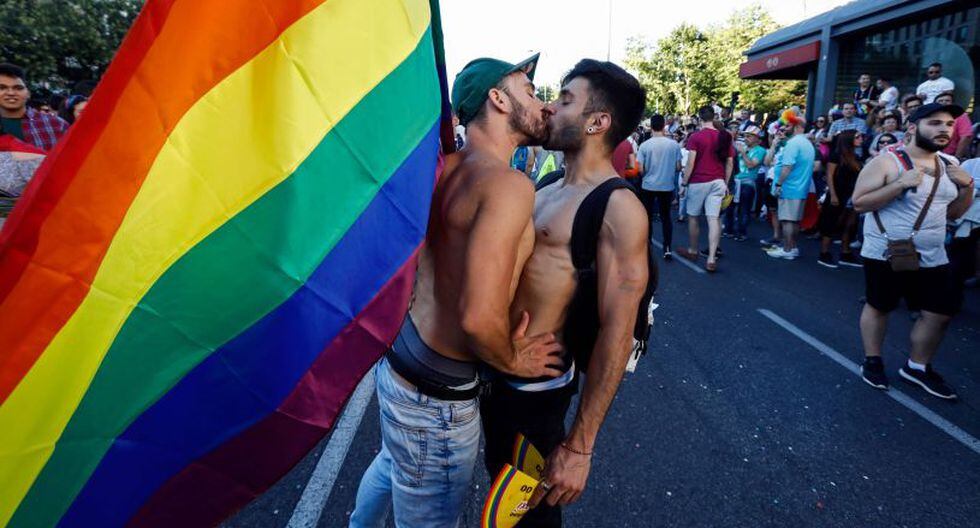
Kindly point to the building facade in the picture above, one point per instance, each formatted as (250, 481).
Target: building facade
(896, 39)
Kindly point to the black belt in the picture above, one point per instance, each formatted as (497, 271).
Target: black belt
(431, 388)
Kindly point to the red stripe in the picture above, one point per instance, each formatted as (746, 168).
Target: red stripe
(175, 53)
(11, 144)
(223, 481)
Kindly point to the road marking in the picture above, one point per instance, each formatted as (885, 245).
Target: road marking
(318, 488)
(678, 258)
(945, 425)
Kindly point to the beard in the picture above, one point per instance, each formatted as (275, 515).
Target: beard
(566, 137)
(928, 144)
(535, 132)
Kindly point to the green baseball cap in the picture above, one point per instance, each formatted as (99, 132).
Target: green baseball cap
(472, 85)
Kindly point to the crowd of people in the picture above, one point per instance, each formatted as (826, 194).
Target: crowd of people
(29, 128)
(810, 179)
(889, 178)
(862, 175)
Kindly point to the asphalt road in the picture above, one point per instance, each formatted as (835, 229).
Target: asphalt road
(733, 420)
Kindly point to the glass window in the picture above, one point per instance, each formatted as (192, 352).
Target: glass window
(903, 53)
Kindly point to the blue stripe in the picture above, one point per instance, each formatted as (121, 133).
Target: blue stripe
(250, 376)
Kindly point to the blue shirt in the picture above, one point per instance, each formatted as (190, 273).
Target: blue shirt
(799, 153)
(745, 174)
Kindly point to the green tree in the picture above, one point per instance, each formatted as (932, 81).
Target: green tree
(62, 42)
(546, 93)
(692, 67)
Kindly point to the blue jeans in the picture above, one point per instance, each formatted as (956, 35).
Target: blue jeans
(744, 208)
(737, 215)
(425, 467)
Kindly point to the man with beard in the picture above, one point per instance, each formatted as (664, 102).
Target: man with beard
(911, 193)
(479, 236)
(597, 108)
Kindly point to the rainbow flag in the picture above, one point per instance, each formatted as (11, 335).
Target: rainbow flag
(203, 270)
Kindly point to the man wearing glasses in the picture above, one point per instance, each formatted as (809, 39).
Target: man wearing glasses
(26, 124)
(935, 84)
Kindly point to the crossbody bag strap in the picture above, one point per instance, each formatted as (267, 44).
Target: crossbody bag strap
(906, 163)
(932, 194)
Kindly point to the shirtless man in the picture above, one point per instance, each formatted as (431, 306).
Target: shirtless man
(599, 105)
(479, 236)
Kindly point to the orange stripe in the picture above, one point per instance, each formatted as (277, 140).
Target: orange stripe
(72, 216)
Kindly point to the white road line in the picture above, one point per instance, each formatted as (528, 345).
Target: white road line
(678, 258)
(945, 425)
(317, 491)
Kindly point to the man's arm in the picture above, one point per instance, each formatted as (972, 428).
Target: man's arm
(728, 169)
(964, 198)
(621, 263)
(504, 211)
(965, 129)
(691, 156)
(750, 162)
(878, 184)
(780, 178)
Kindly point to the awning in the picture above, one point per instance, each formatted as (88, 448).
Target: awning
(786, 64)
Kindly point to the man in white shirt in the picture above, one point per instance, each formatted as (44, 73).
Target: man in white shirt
(935, 83)
(889, 95)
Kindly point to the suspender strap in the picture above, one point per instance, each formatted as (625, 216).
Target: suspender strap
(902, 155)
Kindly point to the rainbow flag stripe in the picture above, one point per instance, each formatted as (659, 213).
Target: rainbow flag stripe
(200, 274)
(494, 496)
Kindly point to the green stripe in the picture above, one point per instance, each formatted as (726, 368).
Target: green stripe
(238, 274)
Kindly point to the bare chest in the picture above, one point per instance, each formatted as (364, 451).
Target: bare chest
(554, 216)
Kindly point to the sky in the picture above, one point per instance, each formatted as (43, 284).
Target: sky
(565, 31)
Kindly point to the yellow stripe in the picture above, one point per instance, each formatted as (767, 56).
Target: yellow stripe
(243, 138)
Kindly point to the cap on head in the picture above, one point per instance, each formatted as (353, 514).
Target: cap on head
(754, 130)
(473, 83)
(933, 108)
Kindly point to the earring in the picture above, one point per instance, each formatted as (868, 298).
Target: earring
(591, 130)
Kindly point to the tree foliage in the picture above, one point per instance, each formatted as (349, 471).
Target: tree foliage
(62, 42)
(694, 66)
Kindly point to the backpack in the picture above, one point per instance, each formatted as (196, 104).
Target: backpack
(581, 329)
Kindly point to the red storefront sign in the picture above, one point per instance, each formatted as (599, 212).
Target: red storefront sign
(779, 61)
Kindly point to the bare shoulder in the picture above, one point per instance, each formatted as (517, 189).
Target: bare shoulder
(881, 166)
(504, 183)
(626, 218)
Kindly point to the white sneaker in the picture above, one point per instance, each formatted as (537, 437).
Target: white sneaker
(783, 254)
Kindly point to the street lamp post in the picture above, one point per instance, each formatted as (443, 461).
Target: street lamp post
(609, 33)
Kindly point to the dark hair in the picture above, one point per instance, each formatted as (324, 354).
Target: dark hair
(911, 97)
(891, 115)
(845, 149)
(937, 64)
(887, 134)
(863, 74)
(845, 103)
(886, 78)
(613, 90)
(68, 112)
(657, 122)
(10, 70)
(724, 146)
(706, 113)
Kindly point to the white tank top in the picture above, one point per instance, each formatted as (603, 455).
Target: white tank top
(900, 214)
